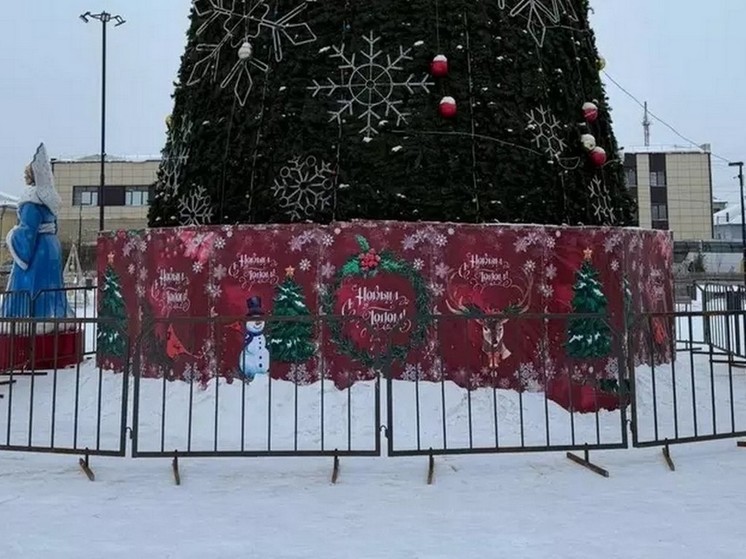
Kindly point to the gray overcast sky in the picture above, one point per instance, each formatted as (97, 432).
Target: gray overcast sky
(687, 60)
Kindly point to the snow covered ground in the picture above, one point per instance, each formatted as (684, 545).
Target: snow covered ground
(527, 505)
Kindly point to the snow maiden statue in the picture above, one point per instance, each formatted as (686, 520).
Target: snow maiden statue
(35, 287)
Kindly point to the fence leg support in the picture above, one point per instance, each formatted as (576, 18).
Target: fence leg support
(335, 469)
(586, 463)
(175, 468)
(667, 456)
(86, 467)
(430, 468)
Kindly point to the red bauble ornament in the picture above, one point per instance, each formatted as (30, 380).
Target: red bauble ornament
(439, 66)
(590, 112)
(447, 107)
(598, 156)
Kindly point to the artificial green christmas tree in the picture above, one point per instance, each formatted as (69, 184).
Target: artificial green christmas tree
(111, 341)
(456, 110)
(291, 340)
(588, 337)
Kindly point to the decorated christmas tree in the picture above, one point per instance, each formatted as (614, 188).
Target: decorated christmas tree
(294, 110)
(291, 339)
(588, 337)
(113, 314)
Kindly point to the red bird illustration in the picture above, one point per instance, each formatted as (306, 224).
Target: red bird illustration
(174, 346)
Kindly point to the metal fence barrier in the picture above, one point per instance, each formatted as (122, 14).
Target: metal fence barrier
(725, 328)
(48, 407)
(534, 409)
(319, 408)
(303, 414)
(698, 396)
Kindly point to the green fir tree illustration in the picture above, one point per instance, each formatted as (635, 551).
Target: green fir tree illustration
(588, 337)
(113, 314)
(291, 337)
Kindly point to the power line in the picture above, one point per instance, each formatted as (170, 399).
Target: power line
(663, 122)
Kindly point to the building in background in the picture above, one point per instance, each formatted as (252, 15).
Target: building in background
(126, 195)
(718, 205)
(727, 224)
(673, 189)
(8, 219)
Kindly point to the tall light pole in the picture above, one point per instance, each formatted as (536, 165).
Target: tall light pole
(739, 164)
(104, 18)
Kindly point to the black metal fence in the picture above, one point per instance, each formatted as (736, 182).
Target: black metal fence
(537, 408)
(328, 409)
(697, 396)
(218, 412)
(54, 399)
(724, 325)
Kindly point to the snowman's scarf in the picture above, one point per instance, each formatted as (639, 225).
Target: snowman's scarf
(249, 337)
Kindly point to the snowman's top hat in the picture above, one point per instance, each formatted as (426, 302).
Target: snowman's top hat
(254, 306)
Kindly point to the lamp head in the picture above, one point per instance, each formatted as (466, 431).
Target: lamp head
(84, 17)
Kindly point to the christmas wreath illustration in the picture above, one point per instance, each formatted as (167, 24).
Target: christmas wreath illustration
(368, 264)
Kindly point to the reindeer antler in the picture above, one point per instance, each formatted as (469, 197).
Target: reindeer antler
(524, 303)
(456, 307)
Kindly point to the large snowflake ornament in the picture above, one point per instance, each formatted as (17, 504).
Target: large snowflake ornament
(195, 208)
(304, 186)
(244, 21)
(601, 202)
(371, 85)
(540, 14)
(176, 156)
(546, 130)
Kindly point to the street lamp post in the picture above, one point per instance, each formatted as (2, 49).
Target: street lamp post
(739, 164)
(104, 18)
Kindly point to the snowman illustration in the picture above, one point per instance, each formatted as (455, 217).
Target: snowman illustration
(254, 359)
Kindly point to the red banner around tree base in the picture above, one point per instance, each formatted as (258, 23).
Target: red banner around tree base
(420, 293)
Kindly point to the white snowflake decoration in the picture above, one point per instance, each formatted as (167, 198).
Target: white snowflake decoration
(220, 272)
(541, 14)
(304, 186)
(302, 375)
(442, 270)
(176, 156)
(328, 270)
(298, 242)
(371, 84)
(195, 208)
(412, 372)
(427, 235)
(239, 27)
(546, 129)
(532, 238)
(601, 202)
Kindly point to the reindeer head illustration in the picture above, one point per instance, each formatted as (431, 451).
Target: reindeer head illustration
(485, 330)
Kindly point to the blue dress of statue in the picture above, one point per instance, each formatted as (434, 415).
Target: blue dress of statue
(35, 286)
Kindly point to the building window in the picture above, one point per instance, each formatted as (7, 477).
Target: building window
(657, 178)
(659, 212)
(136, 196)
(85, 196)
(630, 176)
